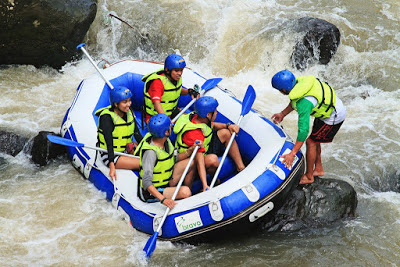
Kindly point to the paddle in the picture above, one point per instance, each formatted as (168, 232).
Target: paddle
(151, 243)
(248, 101)
(68, 142)
(209, 84)
(82, 47)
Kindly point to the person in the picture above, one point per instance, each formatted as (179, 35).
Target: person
(115, 130)
(161, 166)
(310, 97)
(200, 125)
(163, 88)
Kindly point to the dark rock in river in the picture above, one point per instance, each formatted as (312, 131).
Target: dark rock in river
(321, 203)
(319, 43)
(43, 32)
(11, 143)
(43, 150)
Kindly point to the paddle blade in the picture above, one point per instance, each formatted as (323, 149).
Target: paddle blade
(248, 100)
(150, 245)
(63, 141)
(210, 83)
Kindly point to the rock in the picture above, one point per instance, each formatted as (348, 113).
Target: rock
(11, 143)
(319, 43)
(321, 203)
(43, 32)
(43, 150)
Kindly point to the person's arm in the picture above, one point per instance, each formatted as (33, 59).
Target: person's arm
(230, 126)
(278, 117)
(304, 108)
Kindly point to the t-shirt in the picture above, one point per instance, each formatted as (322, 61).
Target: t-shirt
(156, 90)
(190, 137)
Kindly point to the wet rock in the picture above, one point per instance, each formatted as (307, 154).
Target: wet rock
(321, 203)
(43, 32)
(319, 43)
(43, 150)
(11, 143)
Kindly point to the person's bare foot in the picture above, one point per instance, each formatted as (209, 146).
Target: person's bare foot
(318, 173)
(306, 180)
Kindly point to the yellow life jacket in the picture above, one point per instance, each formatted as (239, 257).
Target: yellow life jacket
(164, 167)
(184, 124)
(311, 86)
(169, 99)
(123, 130)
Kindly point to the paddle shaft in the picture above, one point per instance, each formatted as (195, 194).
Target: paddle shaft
(178, 187)
(225, 154)
(94, 65)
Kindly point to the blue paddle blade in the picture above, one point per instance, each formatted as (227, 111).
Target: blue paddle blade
(63, 141)
(210, 83)
(151, 245)
(248, 100)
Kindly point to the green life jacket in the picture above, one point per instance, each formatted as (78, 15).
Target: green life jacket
(169, 99)
(184, 124)
(164, 167)
(123, 130)
(311, 86)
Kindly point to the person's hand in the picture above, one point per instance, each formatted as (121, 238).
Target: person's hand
(169, 203)
(234, 128)
(198, 143)
(113, 173)
(277, 117)
(205, 188)
(288, 160)
(193, 93)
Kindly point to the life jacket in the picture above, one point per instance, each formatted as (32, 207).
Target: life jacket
(123, 130)
(311, 86)
(169, 99)
(164, 167)
(184, 124)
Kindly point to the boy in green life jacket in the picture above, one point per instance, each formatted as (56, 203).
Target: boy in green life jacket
(215, 136)
(161, 166)
(310, 97)
(163, 88)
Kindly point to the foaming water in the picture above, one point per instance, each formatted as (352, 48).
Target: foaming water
(52, 216)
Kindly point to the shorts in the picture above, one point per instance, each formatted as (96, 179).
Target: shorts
(324, 133)
(104, 158)
(145, 196)
(216, 146)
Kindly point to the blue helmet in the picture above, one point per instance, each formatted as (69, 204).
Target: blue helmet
(204, 105)
(118, 94)
(158, 125)
(283, 80)
(174, 61)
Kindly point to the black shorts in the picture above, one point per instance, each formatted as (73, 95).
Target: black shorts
(322, 132)
(216, 147)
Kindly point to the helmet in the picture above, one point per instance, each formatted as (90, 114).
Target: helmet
(119, 93)
(204, 105)
(158, 125)
(174, 61)
(283, 80)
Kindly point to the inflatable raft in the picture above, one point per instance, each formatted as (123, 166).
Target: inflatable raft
(242, 199)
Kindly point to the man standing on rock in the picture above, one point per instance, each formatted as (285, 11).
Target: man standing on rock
(310, 97)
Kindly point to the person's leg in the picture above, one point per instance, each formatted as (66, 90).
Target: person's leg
(184, 192)
(311, 155)
(319, 170)
(128, 163)
(179, 168)
(224, 136)
(211, 162)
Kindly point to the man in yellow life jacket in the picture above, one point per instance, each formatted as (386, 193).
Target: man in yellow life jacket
(115, 131)
(163, 88)
(309, 97)
(200, 125)
(161, 166)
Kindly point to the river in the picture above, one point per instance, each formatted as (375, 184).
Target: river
(51, 216)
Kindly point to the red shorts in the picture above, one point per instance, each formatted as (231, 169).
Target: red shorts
(322, 132)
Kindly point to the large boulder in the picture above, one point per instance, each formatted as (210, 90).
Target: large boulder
(323, 202)
(43, 32)
(320, 42)
(43, 150)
